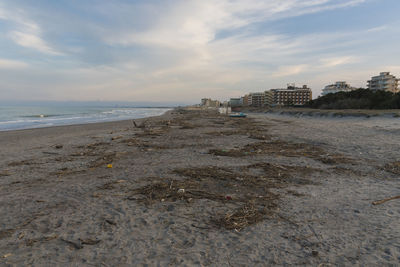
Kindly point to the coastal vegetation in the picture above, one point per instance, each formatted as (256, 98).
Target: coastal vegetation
(357, 99)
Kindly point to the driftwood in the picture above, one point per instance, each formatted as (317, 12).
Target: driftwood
(142, 125)
(378, 202)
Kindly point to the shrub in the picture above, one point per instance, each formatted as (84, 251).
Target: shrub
(357, 99)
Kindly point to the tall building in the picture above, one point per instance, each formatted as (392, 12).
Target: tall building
(337, 87)
(385, 81)
(290, 96)
(269, 98)
(256, 99)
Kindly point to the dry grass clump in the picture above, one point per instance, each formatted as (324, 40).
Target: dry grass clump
(130, 141)
(252, 201)
(105, 159)
(256, 134)
(148, 132)
(280, 148)
(90, 150)
(31, 242)
(208, 172)
(226, 133)
(21, 163)
(228, 152)
(174, 190)
(283, 148)
(335, 159)
(286, 149)
(188, 126)
(96, 145)
(259, 136)
(4, 173)
(66, 171)
(393, 167)
(280, 176)
(281, 171)
(6, 233)
(247, 215)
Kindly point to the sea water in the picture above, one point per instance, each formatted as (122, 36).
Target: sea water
(25, 117)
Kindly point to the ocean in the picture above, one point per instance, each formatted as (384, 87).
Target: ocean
(26, 117)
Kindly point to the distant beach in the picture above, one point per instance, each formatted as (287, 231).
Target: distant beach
(193, 187)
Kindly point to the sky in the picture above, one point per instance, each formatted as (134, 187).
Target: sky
(185, 50)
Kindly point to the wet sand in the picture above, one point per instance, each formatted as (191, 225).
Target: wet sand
(198, 188)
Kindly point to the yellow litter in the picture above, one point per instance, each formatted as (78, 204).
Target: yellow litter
(109, 166)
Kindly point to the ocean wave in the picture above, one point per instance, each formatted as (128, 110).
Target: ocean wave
(45, 119)
(43, 115)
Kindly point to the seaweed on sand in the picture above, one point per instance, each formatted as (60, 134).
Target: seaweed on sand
(4, 173)
(283, 148)
(6, 233)
(393, 167)
(247, 215)
(207, 172)
(107, 158)
(172, 191)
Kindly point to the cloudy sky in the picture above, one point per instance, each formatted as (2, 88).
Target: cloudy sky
(183, 50)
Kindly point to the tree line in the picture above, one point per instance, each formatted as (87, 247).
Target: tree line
(357, 99)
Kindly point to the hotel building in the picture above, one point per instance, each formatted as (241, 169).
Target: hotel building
(385, 81)
(292, 95)
(336, 88)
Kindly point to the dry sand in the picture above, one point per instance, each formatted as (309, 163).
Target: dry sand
(198, 188)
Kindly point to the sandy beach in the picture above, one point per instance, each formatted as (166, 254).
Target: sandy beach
(195, 188)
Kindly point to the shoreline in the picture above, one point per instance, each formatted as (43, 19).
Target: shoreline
(193, 187)
(88, 123)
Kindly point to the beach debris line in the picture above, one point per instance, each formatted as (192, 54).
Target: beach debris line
(76, 245)
(6, 233)
(31, 242)
(172, 191)
(378, 202)
(282, 148)
(247, 215)
(4, 173)
(393, 167)
(247, 197)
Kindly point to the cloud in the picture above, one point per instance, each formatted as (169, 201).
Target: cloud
(336, 61)
(33, 41)
(182, 49)
(193, 23)
(378, 29)
(290, 70)
(12, 64)
(27, 33)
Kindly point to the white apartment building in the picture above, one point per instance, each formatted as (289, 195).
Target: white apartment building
(337, 87)
(385, 81)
